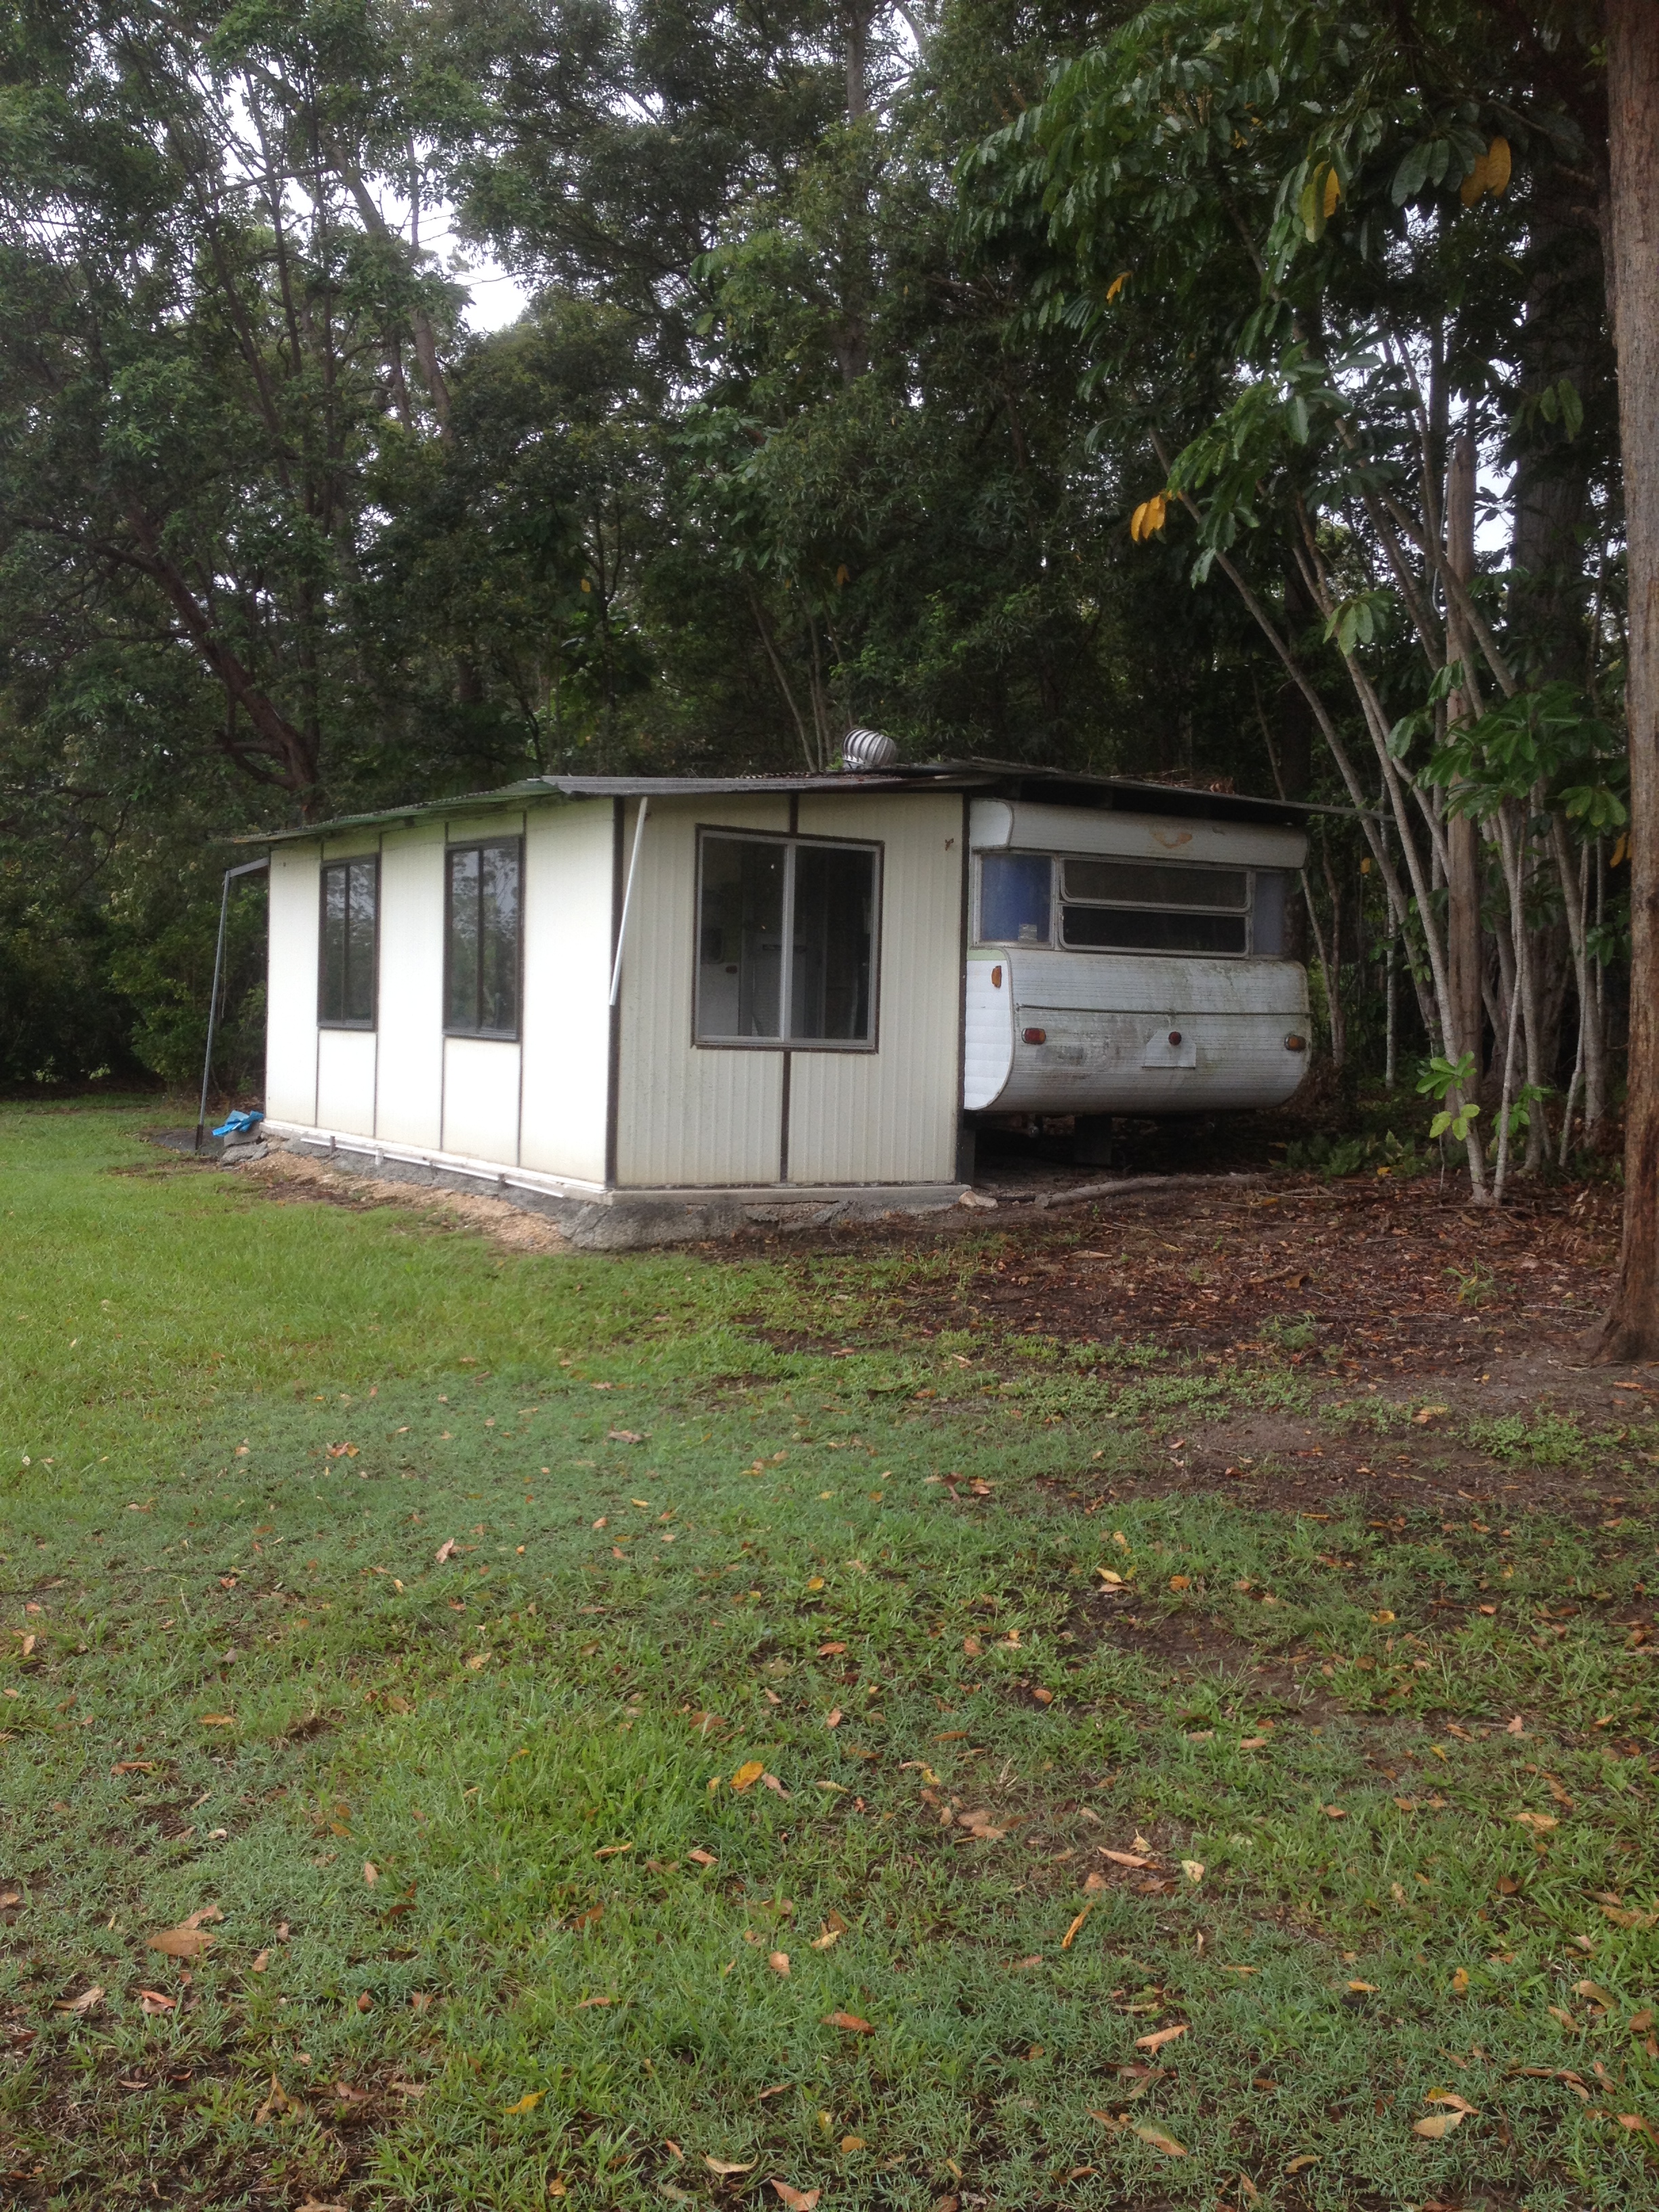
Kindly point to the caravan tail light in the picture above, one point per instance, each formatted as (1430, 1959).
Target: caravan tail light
(1294, 1043)
(1035, 1036)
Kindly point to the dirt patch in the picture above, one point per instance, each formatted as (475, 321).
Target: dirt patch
(289, 1176)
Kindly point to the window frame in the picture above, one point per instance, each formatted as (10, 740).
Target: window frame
(515, 1035)
(1058, 901)
(791, 840)
(347, 860)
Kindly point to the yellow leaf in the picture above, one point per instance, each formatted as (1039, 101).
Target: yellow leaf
(1498, 166)
(778, 1962)
(1536, 1820)
(1460, 1981)
(1159, 2140)
(1156, 508)
(1158, 2038)
(815, 1581)
(528, 2103)
(843, 575)
(1296, 2165)
(1192, 1868)
(748, 1774)
(1438, 2124)
(1475, 183)
(1620, 850)
(727, 2165)
(1134, 523)
(1117, 284)
(1333, 192)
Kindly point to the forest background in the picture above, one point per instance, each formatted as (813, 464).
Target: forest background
(1221, 392)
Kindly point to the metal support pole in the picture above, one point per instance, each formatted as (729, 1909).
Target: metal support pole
(247, 868)
(628, 899)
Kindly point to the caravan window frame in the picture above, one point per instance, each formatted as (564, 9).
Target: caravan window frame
(791, 841)
(1057, 940)
(346, 863)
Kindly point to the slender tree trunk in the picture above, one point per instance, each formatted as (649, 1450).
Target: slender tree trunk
(1462, 841)
(1632, 1328)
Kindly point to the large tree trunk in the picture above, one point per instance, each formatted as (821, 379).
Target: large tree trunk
(1632, 1328)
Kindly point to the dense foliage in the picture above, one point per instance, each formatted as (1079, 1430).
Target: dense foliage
(856, 338)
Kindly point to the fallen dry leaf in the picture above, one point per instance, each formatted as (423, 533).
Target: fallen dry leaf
(830, 1650)
(702, 1858)
(585, 2004)
(723, 2166)
(1067, 1940)
(849, 2021)
(86, 2002)
(478, 1659)
(1159, 2140)
(833, 1928)
(1637, 2125)
(1460, 1981)
(1123, 1858)
(446, 1550)
(611, 1850)
(1364, 1989)
(1438, 2124)
(371, 1873)
(1252, 1742)
(771, 1782)
(850, 2143)
(1540, 1821)
(1450, 2098)
(798, 2200)
(217, 1720)
(1308, 2158)
(1623, 1916)
(134, 1767)
(528, 2103)
(261, 1963)
(190, 1939)
(152, 2001)
(1159, 2036)
(1333, 1813)
(980, 1827)
(1428, 1413)
(1192, 1868)
(748, 1774)
(778, 1962)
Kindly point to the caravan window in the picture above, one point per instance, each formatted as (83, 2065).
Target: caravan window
(346, 953)
(1154, 906)
(1016, 899)
(481, 939)
(786, 941)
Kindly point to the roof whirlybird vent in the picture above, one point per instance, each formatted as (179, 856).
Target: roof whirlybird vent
(863, 750)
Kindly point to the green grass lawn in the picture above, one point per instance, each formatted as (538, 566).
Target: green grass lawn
(617, 1767)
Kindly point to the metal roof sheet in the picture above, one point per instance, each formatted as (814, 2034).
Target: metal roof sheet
(1003, 777)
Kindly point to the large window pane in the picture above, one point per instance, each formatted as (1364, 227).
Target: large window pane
(1143, 929)
(481, 963)
(740, 939)
(360, 887)
(1142, 882)
(498, 929)
(1014, 898)
(833, 928)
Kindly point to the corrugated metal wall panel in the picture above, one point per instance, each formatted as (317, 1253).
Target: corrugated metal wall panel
(891, 1115)
(409, 1088)
(686, 1115)
(567, 972)
(291, 986)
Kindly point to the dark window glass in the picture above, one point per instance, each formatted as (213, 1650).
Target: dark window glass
(345, 994)
(481, 952)
(1143, 929)
(1268, 914)
(740, 974)
(1015, 891)
(786, 936)
(1155, 883)
(834, 922)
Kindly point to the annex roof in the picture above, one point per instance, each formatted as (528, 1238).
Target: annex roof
(999, 778)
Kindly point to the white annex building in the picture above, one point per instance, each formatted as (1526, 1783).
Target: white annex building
(699, 995)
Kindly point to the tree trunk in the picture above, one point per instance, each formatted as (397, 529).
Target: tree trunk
(1463, 959)
(1632, 1328)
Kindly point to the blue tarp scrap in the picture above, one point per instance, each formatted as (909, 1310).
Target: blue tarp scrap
(236, 1125)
